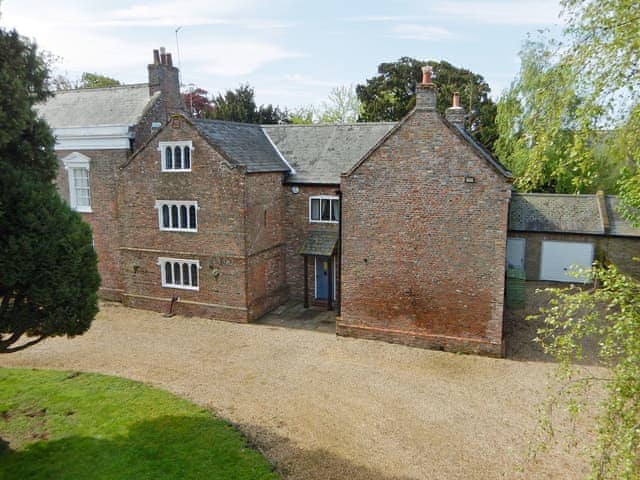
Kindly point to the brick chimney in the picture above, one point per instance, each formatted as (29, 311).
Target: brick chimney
(455, 114)
(164, 78)
(426, 94)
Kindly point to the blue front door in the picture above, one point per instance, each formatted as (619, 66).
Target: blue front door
(322, 278)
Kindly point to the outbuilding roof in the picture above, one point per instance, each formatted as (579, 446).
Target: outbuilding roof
(122, 105)
(320, 153)
(559, 213)
(617, 224)
(243, 144)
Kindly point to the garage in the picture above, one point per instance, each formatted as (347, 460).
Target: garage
(557, 259)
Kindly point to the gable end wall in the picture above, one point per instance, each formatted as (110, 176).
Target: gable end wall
(423, 251)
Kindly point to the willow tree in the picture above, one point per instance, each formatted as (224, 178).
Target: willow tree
(601, 61)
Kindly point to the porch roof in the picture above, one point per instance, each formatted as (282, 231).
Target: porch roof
(320, 243)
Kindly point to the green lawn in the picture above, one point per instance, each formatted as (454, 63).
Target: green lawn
(63, 425)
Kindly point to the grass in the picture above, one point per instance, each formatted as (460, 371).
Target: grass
(66, 425)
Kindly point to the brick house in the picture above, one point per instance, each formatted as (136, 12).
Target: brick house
(399, 227)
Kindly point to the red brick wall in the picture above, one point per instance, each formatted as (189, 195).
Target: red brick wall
(266, 277)
(424, 251)
(219, 243)
(297, 227)
(617, 250)
(103, 219)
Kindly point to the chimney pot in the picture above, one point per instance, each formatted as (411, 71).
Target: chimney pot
(455, 114)
(456, 100)
(427, 71)
(156, 57)
(169, 60)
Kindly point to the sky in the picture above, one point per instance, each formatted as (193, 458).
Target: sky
(292, 52)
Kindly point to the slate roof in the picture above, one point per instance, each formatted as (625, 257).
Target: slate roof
(123, 105)
(243, 144)
(557, 213)
(320, 153)
(321, 243)
(617, 224)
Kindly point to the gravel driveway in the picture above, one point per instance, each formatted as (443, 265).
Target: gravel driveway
(324, 407)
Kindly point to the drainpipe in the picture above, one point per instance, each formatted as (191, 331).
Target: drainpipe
(338, 287)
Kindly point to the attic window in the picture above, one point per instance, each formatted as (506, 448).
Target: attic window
(175, 156)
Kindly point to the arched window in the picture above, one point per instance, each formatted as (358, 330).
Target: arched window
(167, 273)
(176, 273)
(194, 275)
(183, 216)
(185, 274)
(168, 159)
(192, 217)
(174, 217)
(165, 216)
(178, 158)
(187, 158)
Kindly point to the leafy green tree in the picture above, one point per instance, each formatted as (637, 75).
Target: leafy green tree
(95, 80)
(390, 95)
(48, 268)
(541, 136)
(602, 56)
(87, 80)
(239, 105)
(268, 115)
(342, 106)
(608, 316)
(303, 115)
(605, 52)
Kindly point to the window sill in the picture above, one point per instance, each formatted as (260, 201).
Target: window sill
(181, 230)
(175, 170)
(83, 209)
(324, 221)
(182, 287)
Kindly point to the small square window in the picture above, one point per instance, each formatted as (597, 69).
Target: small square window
(324, 209)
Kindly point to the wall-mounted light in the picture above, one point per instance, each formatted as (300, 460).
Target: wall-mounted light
(295, 189)
(469, 179)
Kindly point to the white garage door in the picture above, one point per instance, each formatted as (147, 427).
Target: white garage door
(557, 258)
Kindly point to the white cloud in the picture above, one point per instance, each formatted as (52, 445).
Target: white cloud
(308, 81)
(383, 18)
(522, 12)
(176, 13)
(414, 31)
(234, 58)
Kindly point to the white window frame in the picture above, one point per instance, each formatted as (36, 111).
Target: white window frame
(323, 197)
(162, 147)
(177, 203)
(71, 163)
(162, 262)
